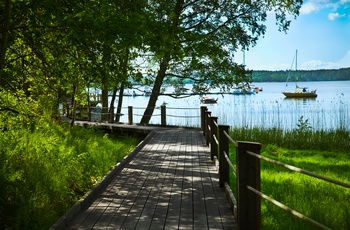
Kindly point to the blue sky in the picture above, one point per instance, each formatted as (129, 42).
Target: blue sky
(321, 34)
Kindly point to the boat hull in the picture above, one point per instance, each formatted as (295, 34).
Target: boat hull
(299, 95)
(209, 100)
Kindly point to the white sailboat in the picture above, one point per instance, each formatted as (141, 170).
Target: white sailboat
(300, 92)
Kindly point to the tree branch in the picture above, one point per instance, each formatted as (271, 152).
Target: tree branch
(9, 109)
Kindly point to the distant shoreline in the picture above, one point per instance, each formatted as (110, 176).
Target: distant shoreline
(342, 74)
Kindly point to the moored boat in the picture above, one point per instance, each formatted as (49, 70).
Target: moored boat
(258, 89)
(243, 89)
(299, 92)
(209, 100)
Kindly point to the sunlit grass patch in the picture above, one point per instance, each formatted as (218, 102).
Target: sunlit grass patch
(324, 202)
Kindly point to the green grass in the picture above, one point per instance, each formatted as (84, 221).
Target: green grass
(324, 202)
(45, 169)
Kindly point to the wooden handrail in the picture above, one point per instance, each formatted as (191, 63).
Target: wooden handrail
(130, 113)
(247, 208)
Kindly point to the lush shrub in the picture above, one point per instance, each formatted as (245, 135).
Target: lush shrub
(45, 167)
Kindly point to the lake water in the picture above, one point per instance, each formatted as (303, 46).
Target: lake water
(266, 109)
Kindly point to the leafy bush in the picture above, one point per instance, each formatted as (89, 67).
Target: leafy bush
(45, 167)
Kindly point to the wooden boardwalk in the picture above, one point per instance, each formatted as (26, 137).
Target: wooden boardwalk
(170, 183)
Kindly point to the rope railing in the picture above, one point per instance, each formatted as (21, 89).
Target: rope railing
(296, 169)
(182, 108)
(141, 115)
(144, 108)
(229, 138)
(170, 115)
(216, 140)
(99, 113)
(230, 163)
(287, 209)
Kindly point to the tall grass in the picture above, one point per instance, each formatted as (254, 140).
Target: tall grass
(44, 170)
(324, 153)
(284, 115)
(331, 140)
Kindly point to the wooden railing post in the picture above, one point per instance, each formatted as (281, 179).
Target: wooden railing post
(224, 173)
(163, 115)
(207, 123)
(248, 173)
(213, 133)
(130, 115)
(203, 110)
(89, 113)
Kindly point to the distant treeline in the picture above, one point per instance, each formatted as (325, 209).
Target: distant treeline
(302, 75)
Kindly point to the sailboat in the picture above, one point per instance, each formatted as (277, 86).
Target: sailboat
(300, 92)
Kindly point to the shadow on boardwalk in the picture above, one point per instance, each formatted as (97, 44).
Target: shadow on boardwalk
(170, 183)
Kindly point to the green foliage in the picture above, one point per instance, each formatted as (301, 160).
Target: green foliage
(46, 167)
(56, 48)
(303, 126)
(198, 40)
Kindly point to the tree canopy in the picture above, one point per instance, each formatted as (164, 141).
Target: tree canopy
(52, 50)
(197, 40)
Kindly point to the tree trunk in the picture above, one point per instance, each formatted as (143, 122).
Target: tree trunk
(120, 103)
(124, 69)
(163, 65)
(4, 34)
(111, 106)
(104, 112)
(155, 91)
(74, 105)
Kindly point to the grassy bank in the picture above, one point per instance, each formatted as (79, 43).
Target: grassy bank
(324, 153)
(46, 167)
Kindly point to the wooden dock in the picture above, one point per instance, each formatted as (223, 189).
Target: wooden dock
(169, 183)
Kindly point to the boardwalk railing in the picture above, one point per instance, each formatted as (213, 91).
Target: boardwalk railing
(247, 206)
(103, 114)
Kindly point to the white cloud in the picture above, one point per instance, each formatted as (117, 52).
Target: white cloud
(309, 8)
(333, 16)
(313, 6)
(318, 64)
(272, 66)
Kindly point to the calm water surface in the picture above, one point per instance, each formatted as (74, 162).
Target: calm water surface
(269, 108)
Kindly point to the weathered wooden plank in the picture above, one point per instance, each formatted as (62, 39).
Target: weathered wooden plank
(171, 183)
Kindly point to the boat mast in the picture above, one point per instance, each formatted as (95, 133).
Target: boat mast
(296, 66)
(243, 57)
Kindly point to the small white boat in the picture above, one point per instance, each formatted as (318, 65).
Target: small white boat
(209, 100)
(242, 90)
(132, 94)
